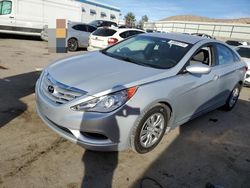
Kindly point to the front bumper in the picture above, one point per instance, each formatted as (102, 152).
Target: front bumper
(79, 127)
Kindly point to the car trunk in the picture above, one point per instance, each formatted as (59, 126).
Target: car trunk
(99, 38)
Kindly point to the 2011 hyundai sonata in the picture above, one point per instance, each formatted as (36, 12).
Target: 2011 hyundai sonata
(131, 93)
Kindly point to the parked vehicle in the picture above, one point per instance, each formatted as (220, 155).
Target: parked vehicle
(244, 52)
(203, 35)
(104, 37)
(234, 43)
(103, 23)
(78, 35)
(29, 17)
(130, 94)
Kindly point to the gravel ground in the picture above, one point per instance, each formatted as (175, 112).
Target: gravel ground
(214, 148)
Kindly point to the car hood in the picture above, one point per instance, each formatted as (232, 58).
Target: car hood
(95, 72)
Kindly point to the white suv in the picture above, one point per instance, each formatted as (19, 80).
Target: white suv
(104, 37)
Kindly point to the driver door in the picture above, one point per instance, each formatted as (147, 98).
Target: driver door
(196, 93)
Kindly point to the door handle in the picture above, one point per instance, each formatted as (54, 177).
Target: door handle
(216, 77)
(11, 17)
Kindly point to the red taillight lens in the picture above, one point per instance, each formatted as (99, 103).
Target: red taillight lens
(112, 41)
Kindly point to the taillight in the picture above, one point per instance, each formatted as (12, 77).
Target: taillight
(112, 41)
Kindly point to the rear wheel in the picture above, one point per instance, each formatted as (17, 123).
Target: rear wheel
(233, 98)
(150, 129)
(72, 44)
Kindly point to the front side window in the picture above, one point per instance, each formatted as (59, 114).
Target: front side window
(225, 55)
(5, 7)
(161, 53)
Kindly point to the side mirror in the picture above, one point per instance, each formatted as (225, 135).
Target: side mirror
(198, 68)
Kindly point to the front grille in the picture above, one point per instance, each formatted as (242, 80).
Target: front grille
(57, 92)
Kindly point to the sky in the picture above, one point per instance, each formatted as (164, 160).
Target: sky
(159, 9)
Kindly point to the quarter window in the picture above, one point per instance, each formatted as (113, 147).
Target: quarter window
(5, 7)
(225, 55)
(80, 27)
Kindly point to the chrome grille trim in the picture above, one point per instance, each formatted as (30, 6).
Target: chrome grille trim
(62, 93)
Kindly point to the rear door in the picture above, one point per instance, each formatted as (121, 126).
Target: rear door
(226, 71)
(82, 34)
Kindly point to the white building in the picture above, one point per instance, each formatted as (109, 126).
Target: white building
(30, 16)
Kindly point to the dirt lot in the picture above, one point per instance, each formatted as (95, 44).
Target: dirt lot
(214, 148)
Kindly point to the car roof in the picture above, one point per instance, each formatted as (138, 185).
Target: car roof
(121, 29)
(191, 39)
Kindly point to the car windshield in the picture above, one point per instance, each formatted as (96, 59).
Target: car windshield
(149, 51)
(244, 52)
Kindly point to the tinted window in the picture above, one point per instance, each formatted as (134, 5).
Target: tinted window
(225, 55)
(124, 34)
(101, 23)
(91, 29)
(135, 32)
(104, 32)
(244, 52)
(127, 34)
(5, 7)
(149, 51)
(80, 27)
(233, 43)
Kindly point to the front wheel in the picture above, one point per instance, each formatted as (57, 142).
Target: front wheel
(233, 98)
(150, 129)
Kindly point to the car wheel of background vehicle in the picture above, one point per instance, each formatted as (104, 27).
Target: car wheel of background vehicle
(233, 98)
(72, 44)
(150, 129)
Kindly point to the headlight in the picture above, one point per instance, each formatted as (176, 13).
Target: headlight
(108, 102)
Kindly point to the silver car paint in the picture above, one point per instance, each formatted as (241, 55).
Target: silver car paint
(99, 74)
(81, 36)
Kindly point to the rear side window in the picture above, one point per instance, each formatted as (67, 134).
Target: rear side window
(104, 32)
(80, 27)
(5, 7)
(124, 34)
(225, 55)
(244, 52)
(127, 34)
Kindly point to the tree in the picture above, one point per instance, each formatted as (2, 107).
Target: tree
(143, 20)
(130, 19)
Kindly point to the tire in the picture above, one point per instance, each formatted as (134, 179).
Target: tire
(145, 129)
(72, 44)
(233, 98)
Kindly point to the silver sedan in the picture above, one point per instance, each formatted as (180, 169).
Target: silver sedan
(130, 94)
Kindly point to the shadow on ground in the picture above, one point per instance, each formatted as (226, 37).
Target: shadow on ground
(210, 151)
(12, 90)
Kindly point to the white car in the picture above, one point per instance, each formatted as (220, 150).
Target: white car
(244, 51)
(107, 36)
